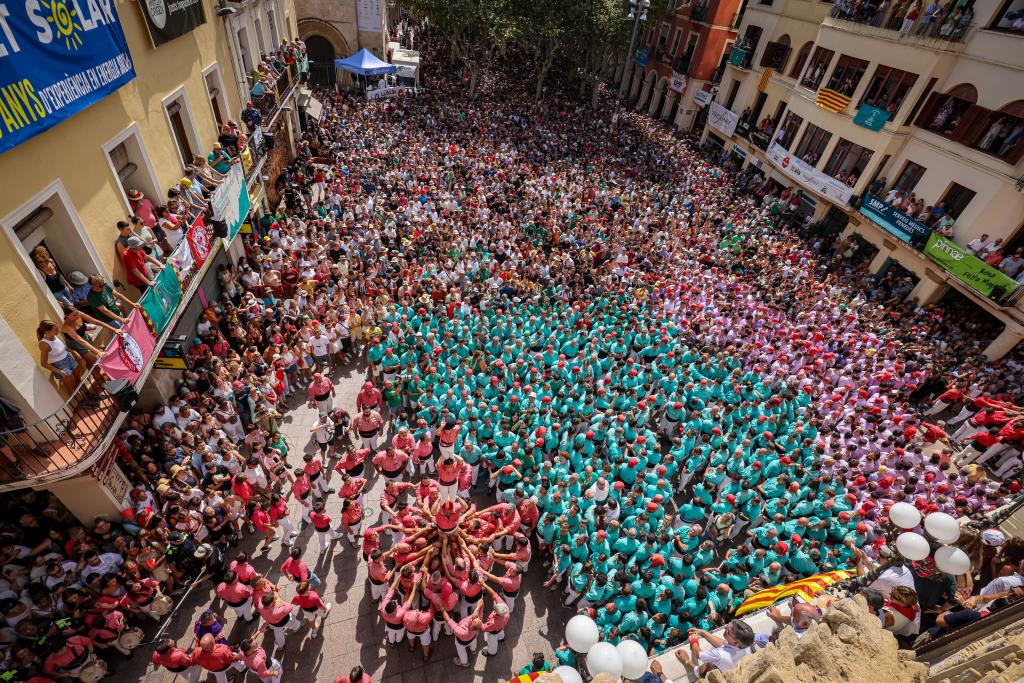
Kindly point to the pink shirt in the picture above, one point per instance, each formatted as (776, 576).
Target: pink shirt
(418, 620)
(234, 593)
(296, 569)
(275, 613)
(256, 661)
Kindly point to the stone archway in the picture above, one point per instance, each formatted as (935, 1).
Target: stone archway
(645, 94)
(325, 44)
(657, 99)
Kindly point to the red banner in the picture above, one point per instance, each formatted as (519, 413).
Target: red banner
(198, 242)
(131, 349)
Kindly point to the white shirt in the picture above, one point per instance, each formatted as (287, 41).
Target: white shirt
(724, 658)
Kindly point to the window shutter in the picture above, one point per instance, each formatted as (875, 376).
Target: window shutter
(971, 125)
(930, 109)
(1015, 154)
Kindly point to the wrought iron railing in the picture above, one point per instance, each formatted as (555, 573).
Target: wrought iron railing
(62, 439)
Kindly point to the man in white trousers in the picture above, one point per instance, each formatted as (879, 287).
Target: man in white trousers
(237, 595)
(277, 616)
(466, 631)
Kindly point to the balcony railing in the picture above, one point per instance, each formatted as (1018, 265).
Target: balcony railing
(64, 438)
(269, 103)
(952, 27)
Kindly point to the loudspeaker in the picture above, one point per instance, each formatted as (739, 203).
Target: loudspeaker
(220, 229)
(268, 141)
(123, 393)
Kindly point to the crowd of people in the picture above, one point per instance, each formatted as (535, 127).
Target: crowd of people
(667, 394)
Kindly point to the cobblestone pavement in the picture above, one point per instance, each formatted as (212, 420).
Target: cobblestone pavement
(353, 633)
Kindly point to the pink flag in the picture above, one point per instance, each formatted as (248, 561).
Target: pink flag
(130, 351)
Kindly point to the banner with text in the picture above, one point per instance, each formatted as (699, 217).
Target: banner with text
(678, 82)
(808, 176)
(381, 93)
(895, 221)
(57, 57)
(968, 268)
(129, 351)
(870, 117)
(170, 19)
(722, 119)
(230, 201)
(701, 98)
(161, 300)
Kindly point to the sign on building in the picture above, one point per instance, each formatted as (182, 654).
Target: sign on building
(808, 176)
(678, 82)
(170, 19)
(968, 268)
(230, 201)
(56, 58)
(701, 98)
(722, 119)
(895, 221)
(368, 15)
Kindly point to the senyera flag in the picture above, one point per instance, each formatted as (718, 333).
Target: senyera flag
(805, 589)
(130, 351)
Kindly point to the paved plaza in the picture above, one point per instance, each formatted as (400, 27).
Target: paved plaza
(354, 633)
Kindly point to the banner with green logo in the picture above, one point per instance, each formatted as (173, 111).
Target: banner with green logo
(968, 268)
(737, 56)
(161, 300)
(870, 117)
(230, 201)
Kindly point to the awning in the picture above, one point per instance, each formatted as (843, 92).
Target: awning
(365, 63)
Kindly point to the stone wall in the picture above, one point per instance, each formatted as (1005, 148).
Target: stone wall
(995, 658)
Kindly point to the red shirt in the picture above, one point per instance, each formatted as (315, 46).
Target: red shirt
(296, 569)
(321, 521)
(217, 659)
(134, 260)
(310, 601)
(345, 679)
(176, 660)
(260, 520)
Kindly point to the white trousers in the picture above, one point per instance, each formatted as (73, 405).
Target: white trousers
(281, 631)
(377, 590)
(492, 640)
(287, 528)
(464, 650)
(243, 611)
(395, 633)
(371, 441)
(448, 492)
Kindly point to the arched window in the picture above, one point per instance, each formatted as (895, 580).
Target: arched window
(1001, 133)
(945, 113)
(801, 59)
(776, 54)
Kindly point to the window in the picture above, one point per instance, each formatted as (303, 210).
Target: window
(733, 89)
(49, 226)
(272, 22)
(131, 166)
(1000, 133)
(1009, 17)
(243, 50)
(663, 38)
(848, 161)
(215, 93)
(847, 74)
(750, 40)
(258, 26)
(776, 54)
(677, 37)
(944, 113)
(888, 88)
(909, 177)
(921, 100)
(813, 143)
(801, 59)
(957, 198)
(787, 133)
(816, 68)
(179, 115)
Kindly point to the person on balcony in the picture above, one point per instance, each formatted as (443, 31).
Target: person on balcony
(55, 356)
(136, 264)
(251, 116)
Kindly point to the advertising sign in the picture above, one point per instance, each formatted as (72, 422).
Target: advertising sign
(170, 19)
(678, 82)
(895, 221)
(641, 56)
(701, 98)
(231, 201)
(128, 352)
(368, 16)
(161, 300)
(968, 268)
(722, 119)
(808, 176)
(57, 57)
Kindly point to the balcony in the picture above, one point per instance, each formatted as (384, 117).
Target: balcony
(698, 12)
(64, 439)
(741, 59)
(888, 25)
(269, 102)
(269, 106)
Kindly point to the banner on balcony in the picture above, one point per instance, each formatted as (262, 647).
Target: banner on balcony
(808, 176)
(968, 268)
(641, 56)
(161, 300)
(701, 98)
(58, 58)
(722, 119)
(231, 201)
(678, 82)
(895, 221)
(832, 100)
(872, 118)
(127, 355)
(736, 57)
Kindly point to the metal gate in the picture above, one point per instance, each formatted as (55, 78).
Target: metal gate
(323, 74)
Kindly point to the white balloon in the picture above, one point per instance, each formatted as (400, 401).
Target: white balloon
(912, 546)
(604, 657)
(581, 633)
(952, 560)
(634, 658)
(942, 527)
(568, 674)
(904, 515)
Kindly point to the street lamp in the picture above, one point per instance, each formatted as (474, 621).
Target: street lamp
(638, 13)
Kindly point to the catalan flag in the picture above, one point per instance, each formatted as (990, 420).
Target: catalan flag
(830, 99)
(804, 589)
(766, 76)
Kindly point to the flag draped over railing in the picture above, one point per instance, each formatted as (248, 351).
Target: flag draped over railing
(804, 589)
(830, 99)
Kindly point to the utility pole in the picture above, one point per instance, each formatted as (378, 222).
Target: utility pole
(638, 13)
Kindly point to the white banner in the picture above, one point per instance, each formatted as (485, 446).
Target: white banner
(678, 82)
(256, 137)
(368, 17)
(381, 93)
(701, 98)
(808, 176)
(722, 119)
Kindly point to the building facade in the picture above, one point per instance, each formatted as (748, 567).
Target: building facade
(681, 51)
(904, 129)
(66, 188)
(333, 30)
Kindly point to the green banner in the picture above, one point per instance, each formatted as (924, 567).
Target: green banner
(161, 300)
(870, 117)
(968, 268)
(737, 56)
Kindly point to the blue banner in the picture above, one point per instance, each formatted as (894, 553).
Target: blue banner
(57, 57)
(641, 56)
(896, 222)
(870, 117)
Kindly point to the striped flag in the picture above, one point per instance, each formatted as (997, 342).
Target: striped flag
(830, 99)
(805, 589)
(766, 76)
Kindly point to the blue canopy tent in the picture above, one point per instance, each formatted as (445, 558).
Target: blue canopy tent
(365, 63)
